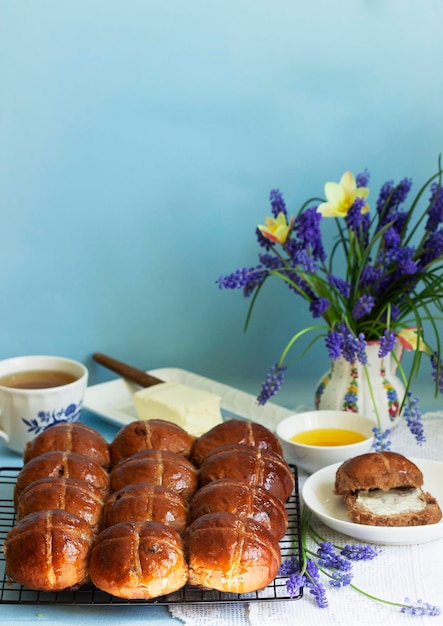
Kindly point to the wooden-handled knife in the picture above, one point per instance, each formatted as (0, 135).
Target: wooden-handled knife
(127, 371)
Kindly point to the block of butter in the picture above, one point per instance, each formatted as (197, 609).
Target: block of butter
(195, 410)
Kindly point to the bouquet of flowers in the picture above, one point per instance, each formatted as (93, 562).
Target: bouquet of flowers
(391, 284)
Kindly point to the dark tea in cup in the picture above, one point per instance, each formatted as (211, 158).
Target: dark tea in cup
(37, 379)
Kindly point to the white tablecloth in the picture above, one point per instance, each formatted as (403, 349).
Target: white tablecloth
(412, 571)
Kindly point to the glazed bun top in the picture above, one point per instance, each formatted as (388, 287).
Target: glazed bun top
(235, 431)
(69, 437)
(150, 434)
(377, 470)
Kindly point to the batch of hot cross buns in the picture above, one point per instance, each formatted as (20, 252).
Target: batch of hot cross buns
(151, 511)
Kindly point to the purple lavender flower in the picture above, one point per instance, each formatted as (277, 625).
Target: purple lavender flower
(387, 343)
(307, 231)
(263, 241)
(391, 238)
(277, 203)
(365, 225)
(362, 179)
(314, 585)
(420, 608)
(437, 374)
(301, 286)
(354, 348)
(403, 256)
(341, 342)
(363, 306)
(370, 276)
(303, 259)
(412, 415)
(310, 580)
(334, 343)
(243, 278)
(381, 439)
(327, 557)
(358, 222)
(294, 583)
(271, 261)
(319, 306)
(406, 264)
(340, 579)
(391, 197)
(357, 552)
(354, 218)
(342, 286)
(274, 380)
(289, 566)
(399, 220)
(432, 249)
(435, 211)
(398, 263)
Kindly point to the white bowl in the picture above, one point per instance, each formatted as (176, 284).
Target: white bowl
(312, 458)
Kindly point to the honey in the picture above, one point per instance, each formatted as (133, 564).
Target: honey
(328, 437)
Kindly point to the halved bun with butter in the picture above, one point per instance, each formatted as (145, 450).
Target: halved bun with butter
(385, 489)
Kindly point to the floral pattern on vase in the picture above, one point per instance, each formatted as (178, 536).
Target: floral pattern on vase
(345, 387)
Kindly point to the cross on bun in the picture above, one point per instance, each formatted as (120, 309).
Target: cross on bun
(230, 554)
(70, 494)
(49, 551)
(69, 437)
(146, 502)
(377, 470)
(147, 434)
(57, 464)
(138, 560)
(235, 431)
(253, 466)
(158, 467)
(235, 496)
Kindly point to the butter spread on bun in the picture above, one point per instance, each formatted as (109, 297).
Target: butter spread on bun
(385, 489)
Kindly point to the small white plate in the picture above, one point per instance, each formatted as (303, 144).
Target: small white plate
(318, 495)
(113, 401)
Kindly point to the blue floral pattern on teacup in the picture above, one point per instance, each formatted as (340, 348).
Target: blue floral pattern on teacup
(45, 419)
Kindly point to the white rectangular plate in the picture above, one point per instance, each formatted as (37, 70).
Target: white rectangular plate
(113, 401)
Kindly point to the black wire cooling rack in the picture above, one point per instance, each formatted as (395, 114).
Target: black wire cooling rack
(12, 593)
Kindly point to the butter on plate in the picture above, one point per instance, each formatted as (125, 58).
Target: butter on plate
(195, 410)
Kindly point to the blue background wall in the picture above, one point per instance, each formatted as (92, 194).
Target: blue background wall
(138, 144)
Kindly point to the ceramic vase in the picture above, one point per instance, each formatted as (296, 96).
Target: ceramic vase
(346, 387)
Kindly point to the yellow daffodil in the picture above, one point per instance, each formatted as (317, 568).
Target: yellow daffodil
(276, 229)
(341, 196)
(408, 338)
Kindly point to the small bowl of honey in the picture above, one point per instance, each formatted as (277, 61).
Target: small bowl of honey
(313, 439)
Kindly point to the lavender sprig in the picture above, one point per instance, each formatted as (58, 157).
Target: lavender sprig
(381, 439)
(420, 608)
(437, 374)
(274, 380)
(412, 415)
(357, 552)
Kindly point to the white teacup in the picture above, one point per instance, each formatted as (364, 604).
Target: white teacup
(36, 392)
